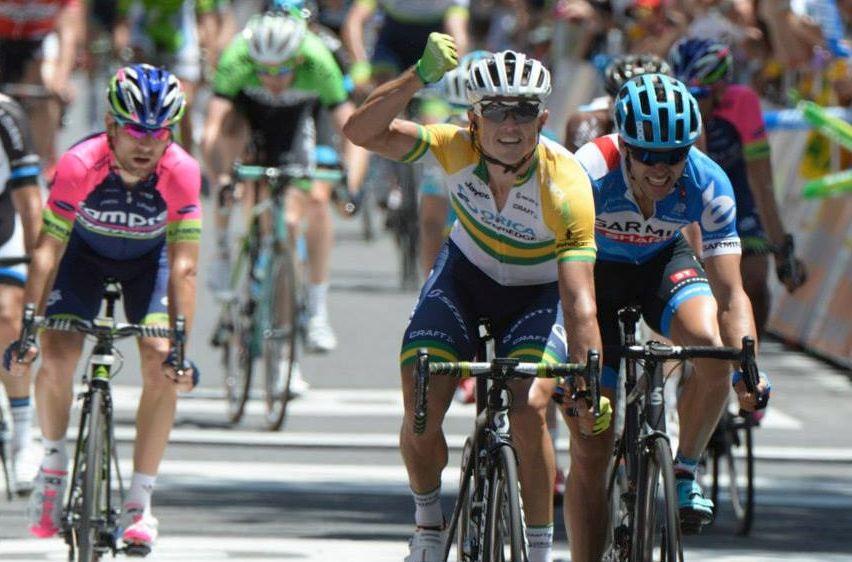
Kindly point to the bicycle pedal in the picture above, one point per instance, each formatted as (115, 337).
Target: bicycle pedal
(692, 522)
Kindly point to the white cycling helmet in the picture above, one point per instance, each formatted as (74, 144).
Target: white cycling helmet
(454, 84)
(508, 74)
(274, 37)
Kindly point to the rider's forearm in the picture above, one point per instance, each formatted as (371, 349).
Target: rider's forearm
(352, 33)
(183, 271)
(376, 114)
(735, 318)
(28, 204)
(70, 29)
(42, 270)
(760, 179)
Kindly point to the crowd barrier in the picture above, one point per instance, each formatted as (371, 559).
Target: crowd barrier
(818, 316)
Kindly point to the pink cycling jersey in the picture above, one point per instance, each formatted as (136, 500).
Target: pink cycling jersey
(88, 198)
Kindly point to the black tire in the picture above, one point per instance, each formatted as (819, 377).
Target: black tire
(234, 336)
(733, 465)
(504, 539)
(463, 530)
(656, 531)
(93, 483)
(280, 334)
(618, 538)
(408, 228)
(4, 458)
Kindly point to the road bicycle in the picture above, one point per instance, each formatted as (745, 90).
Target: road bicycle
(644, 518)
(90, 517)
(487, 524)
(5, 415)
(262, 314)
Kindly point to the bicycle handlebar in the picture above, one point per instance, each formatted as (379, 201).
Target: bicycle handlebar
(503, 369)
(745, 356)
(287, 172)
(9, 262)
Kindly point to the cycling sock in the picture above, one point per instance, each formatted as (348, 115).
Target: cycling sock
(55, 455)
(22, 420)
(317, 296)
(222, 242)
(685, 467)
(540, 540)
(141, 488)
(427, 509)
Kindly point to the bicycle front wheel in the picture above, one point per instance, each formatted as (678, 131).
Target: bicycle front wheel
(91, 516)
(656, 534)
(504, 539)
(463, 529)
(733, 468)
(234, 336)
(280, 331)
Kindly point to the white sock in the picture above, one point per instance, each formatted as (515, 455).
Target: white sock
(427, 509)
(540, 541)
(317, 298)
(22, 422)
(55, 455)
(141, 488)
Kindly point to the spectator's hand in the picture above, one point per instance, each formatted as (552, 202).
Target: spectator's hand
(439, 56)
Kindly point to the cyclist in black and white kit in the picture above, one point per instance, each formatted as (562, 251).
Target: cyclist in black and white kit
(20, 221)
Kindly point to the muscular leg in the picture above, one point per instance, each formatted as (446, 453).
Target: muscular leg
(755, 273)
(536, 461)
(54, 384)
(704, 393)
(585, 507)
(156, 411)
(319, 233)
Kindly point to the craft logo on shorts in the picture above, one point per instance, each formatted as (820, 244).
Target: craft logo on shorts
(679, 276)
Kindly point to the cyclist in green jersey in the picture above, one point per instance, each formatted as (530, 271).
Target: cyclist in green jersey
(270, 84)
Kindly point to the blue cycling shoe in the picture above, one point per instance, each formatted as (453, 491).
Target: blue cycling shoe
(695, 510)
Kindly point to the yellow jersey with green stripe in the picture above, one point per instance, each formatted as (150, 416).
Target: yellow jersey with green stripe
(548, 217)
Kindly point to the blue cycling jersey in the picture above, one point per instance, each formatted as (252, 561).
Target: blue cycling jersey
(703, 194)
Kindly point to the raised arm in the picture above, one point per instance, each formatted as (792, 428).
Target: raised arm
(374, 125)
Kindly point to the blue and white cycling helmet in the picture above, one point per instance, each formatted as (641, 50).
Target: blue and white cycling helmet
(454, 84)
(148, 96)
(700, 62)
(657, 112)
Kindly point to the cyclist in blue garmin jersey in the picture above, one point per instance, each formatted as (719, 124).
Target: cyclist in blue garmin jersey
(650, 182)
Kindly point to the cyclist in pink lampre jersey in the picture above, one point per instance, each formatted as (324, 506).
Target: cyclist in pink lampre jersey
(124, 205)
(736, 139)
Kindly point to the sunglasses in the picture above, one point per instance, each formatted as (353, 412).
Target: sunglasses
(499, 111)
(274, 70)
(652, 157)
(138, 132)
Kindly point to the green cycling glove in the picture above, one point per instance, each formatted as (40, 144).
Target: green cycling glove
(605, 418)
(439, 56)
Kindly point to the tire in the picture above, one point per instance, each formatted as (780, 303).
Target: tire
(408, 229)
(504, 537)
(93, 483)
(280, 333)
(4, 458)
(618, 539)
(733, 468)
(656, 531)
(463, 529)
(234, 337)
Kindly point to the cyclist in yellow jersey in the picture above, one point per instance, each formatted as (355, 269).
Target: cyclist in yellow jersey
(524, 237)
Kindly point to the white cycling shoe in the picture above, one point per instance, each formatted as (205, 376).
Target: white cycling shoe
(321, 337)
(427, 545)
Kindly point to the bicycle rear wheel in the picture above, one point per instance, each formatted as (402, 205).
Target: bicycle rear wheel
(89, 519)
(504, 539)
(280, 332)
(408, 229)
(733, 468)
(234, 335)
(656, 533)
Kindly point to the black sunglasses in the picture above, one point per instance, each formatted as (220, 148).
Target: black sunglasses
(522, 111)
(651, 157)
